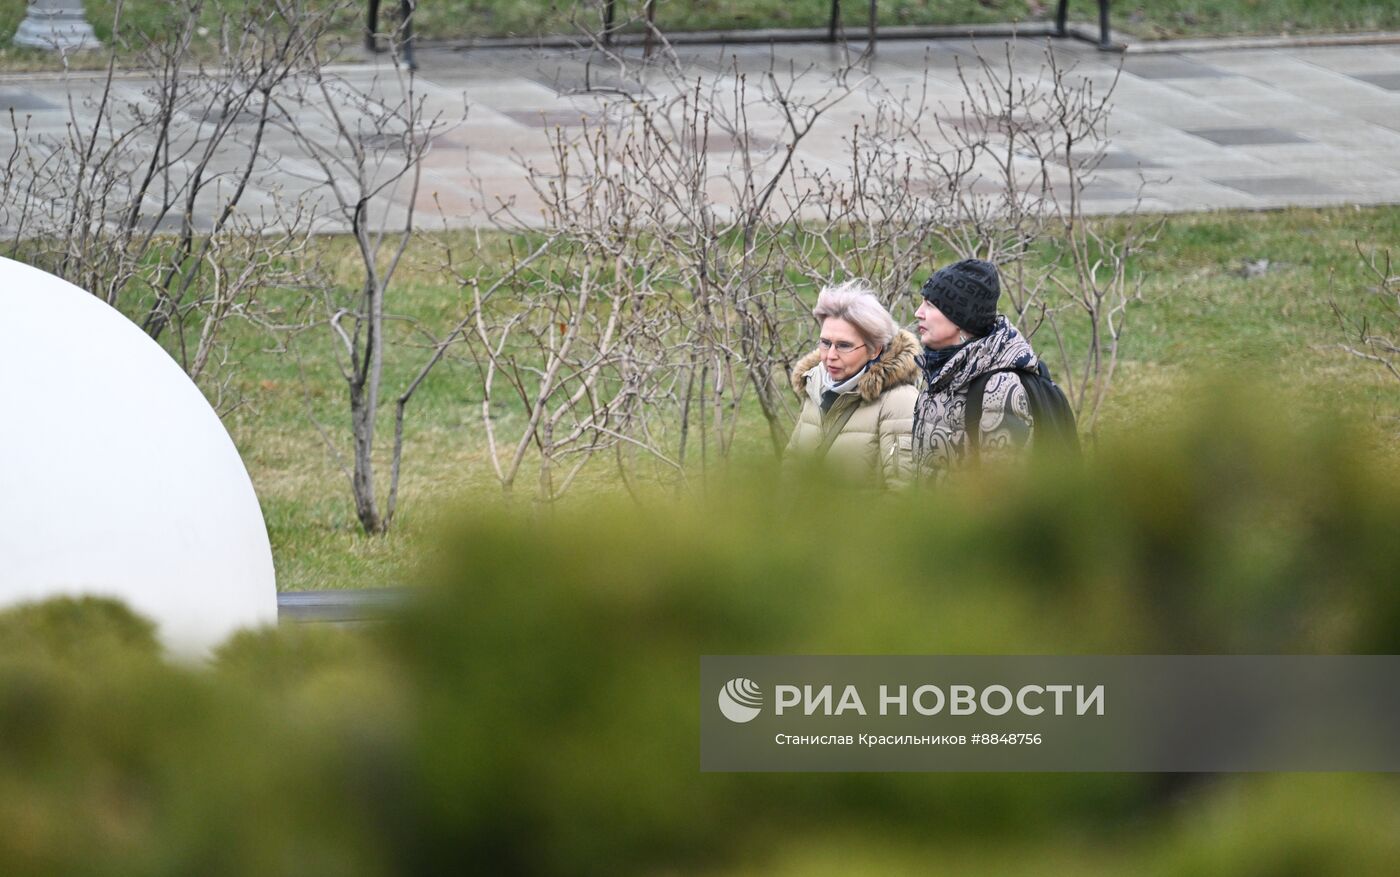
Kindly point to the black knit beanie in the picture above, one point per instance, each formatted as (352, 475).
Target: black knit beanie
(966, 292)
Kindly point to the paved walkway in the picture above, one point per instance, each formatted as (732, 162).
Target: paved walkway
(1253, 129)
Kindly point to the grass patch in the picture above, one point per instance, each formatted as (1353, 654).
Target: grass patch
(1200, 315)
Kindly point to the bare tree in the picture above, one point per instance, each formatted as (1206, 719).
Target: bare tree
(363, 145)
(143, 199)
(170, 203)
(1375, 338)
(683, 236)
(1000, 176)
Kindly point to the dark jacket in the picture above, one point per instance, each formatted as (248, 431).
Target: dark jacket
(940, 428)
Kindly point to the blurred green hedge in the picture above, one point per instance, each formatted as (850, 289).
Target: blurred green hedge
(534, 710)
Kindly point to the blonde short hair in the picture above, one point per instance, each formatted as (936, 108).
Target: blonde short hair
(856, 303)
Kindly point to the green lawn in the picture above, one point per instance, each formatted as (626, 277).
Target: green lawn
(1200, 316)
(460, 19)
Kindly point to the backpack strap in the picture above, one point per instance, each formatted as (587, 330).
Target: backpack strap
(972, 414)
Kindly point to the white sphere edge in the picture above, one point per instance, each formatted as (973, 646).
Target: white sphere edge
(117, 478)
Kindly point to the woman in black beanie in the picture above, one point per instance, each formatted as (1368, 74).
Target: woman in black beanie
(965, 339)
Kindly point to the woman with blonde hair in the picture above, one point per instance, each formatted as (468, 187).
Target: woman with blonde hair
(858, 389)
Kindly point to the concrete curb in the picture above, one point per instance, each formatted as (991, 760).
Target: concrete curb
(1081, 31)
(770, 35)
(1078, 31)
(341, 607)
(1281, 41)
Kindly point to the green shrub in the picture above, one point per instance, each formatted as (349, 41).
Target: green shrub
(535, 710)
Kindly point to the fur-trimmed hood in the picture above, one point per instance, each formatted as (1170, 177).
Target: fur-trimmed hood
(897, 366)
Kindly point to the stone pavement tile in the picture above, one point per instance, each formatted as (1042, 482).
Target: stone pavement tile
(24, 100)
(1334, 88)
(819, 56)
(1363, 170)
(1236, 87)
(450, 159)
(1280, 185)
(571, 78)
(1172, 109)
(481, 162)
(1246, 136)
(1129, 178)
(1238, 164)
(1382, 191)
(1345, 59)
(42, 132)
(1202, 194)
(949, 54)
(511, 122)
(1171, 67)
(1278, 106)
(1299, 79)
(1167, 145)
(789, 59)
(1289, 156)
(1236, 60)
(1146, 207)
(1206, 154)
(1114, 160)
(440, 197)
(1386, 115)
(515, 94)
(904, 56)
(552, 118)
(56, 93)
(912, 82)
(478, 63)
(1344, 108)
(1318, 87)
(709, 58)
(1348, 133)
(1110, 190)
(441, 97)
(1264, 65)
(1279, 202)
(752, 60)
(1389, 80)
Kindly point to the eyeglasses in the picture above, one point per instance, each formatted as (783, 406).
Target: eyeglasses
(842, 347)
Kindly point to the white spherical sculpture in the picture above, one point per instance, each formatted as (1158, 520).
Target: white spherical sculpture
(116, 477)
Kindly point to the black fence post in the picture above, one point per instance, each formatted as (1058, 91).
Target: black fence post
(650, 43)
(609, 18)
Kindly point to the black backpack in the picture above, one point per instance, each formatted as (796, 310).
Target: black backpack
(1052, 417)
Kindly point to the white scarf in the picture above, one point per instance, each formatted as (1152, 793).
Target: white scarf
(846, 386)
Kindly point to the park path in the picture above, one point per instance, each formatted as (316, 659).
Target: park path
(1210, 128)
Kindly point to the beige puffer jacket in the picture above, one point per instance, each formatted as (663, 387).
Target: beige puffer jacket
(875, 446)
